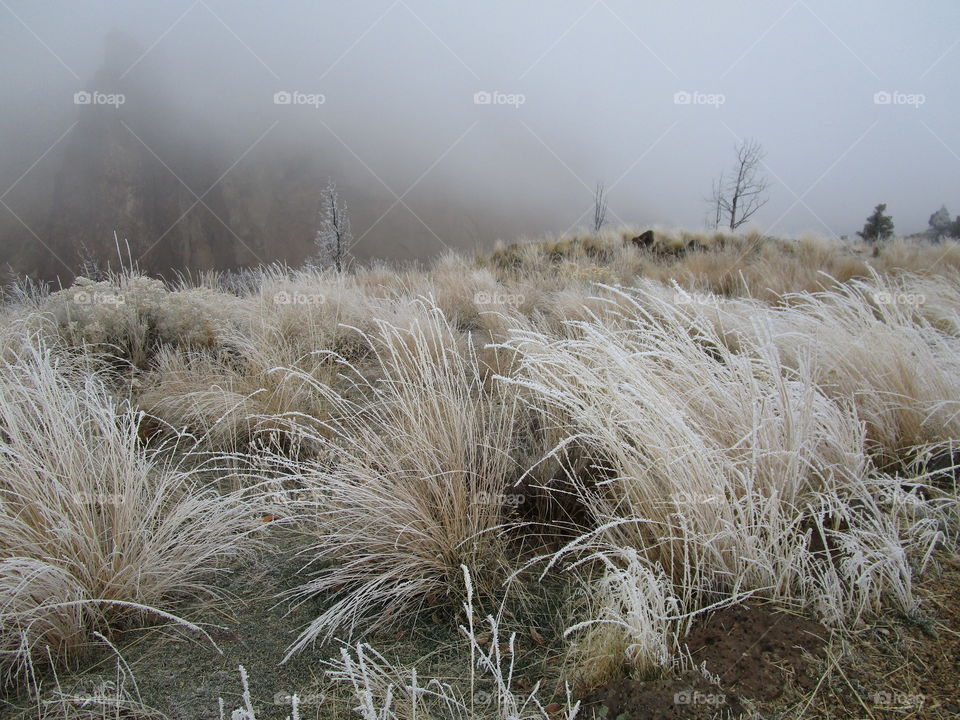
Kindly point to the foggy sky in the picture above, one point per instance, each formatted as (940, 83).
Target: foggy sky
(598, 80)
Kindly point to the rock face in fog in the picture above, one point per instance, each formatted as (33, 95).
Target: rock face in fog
(161, 177)
(135, 169)
(110, 182)
(163, 172)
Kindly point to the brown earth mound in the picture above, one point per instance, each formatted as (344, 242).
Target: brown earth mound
(689, 696)
(755, 651)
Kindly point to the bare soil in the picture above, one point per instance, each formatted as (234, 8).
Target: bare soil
(778, 665)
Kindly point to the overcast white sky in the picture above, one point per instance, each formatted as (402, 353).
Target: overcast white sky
(598, 79)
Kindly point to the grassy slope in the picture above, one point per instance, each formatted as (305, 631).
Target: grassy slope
(747, 431)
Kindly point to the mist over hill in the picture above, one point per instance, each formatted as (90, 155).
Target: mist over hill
(151, 178)
(450, 127)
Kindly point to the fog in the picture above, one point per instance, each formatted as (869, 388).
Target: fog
(450, 125)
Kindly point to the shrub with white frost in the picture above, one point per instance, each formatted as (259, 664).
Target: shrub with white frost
(130, 314)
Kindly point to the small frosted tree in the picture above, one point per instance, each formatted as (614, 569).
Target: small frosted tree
(333, 237)
(879, 226)
(941, 224)
(599, 208)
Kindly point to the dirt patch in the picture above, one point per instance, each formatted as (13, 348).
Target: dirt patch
(690, 696)
(784, 665)
(757, 651)
(903, 666)
(938, 646)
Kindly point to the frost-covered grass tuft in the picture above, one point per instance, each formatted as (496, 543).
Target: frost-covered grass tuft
(416, 459)
(95, 531)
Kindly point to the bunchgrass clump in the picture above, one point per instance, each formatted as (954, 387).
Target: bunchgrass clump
(416, 458)
(95, 531)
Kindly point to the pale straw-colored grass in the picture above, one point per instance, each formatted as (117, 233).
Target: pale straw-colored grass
(95, 531)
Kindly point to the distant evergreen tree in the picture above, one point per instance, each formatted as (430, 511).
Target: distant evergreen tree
(941, 224)
(878, 226)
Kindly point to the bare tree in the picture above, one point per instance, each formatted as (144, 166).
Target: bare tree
(333, 237)
(716, 204)
(745, 193)
(90, 263)
(599, 208)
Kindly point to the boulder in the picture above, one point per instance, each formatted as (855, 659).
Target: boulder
(643, 240)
